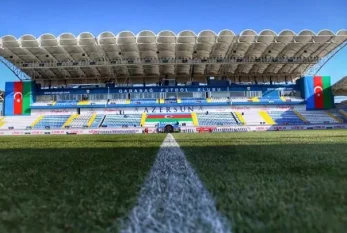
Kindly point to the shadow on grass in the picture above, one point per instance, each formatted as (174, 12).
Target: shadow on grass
(70, 190)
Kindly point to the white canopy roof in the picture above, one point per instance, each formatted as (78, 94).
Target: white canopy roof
(108, 46)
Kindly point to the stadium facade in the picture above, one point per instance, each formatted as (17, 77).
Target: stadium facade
(188, 82)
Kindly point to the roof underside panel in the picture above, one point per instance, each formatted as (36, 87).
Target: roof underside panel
(225, 40)
(166, 45)
(340, 88)
(142, 49)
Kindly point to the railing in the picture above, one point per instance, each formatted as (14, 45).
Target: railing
(167, 61)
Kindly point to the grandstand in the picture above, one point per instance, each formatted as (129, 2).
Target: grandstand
(286, 117)
(129, 120)
(126, 81)
(81, 121)
(52, 121)
(217, 119)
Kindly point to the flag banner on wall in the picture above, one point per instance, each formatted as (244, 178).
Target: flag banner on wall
(318, 92)
(168, 118)
(18, 97)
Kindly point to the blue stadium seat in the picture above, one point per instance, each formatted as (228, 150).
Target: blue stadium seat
(52, 121)
(127, 120)
(318, 117)
(216, 119)
(80, 121)
(285, 117)
(97, 121)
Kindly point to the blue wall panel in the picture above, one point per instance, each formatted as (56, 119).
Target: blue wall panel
(9, 93)
(76, 91)
(271, 94)
(309, 95)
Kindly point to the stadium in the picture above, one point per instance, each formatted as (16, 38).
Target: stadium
(208, 81)
(118, 95)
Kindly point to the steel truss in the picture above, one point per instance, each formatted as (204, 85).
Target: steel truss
(314, 69)
(141, 77)
(15, 70)
(169, 61)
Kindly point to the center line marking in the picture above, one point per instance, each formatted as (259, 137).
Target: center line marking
(173, 199)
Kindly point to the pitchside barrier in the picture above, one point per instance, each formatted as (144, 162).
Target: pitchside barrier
(72, 131)
(258, 128)
(183, 130)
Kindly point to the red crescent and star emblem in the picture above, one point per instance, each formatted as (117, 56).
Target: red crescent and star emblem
(318, 90)
(16, 98)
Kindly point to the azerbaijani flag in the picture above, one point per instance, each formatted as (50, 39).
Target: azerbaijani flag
(318, 92)
(168, 117)
(17, 98)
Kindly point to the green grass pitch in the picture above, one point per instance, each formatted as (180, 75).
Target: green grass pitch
(262, 182)
(71, 183)
(269, 182)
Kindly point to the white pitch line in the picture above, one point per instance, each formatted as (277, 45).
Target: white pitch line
(173, 199)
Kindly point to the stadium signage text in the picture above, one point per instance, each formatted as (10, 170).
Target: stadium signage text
(168, 109)
(140, 90)
(172, 89)
(175, 89)
(56, 92)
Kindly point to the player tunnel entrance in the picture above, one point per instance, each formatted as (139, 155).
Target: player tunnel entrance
(168, 129)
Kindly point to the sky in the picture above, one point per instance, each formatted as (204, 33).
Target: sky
(76, 16)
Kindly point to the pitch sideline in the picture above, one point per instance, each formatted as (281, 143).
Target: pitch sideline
(173, 199)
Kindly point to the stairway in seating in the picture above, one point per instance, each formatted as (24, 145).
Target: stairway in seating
(267, 118)
(17, 122)
(99, 119)
(317, 117)
(300, 116)
(69, 120)
(2, 122)
(235, 118)
(52, 121)
(252, 117)
(91, 120)
(37, 121)
(344, 113)
(284, 117)
(195, 119)
(240, 118)
(335, 116)
(143, 119)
